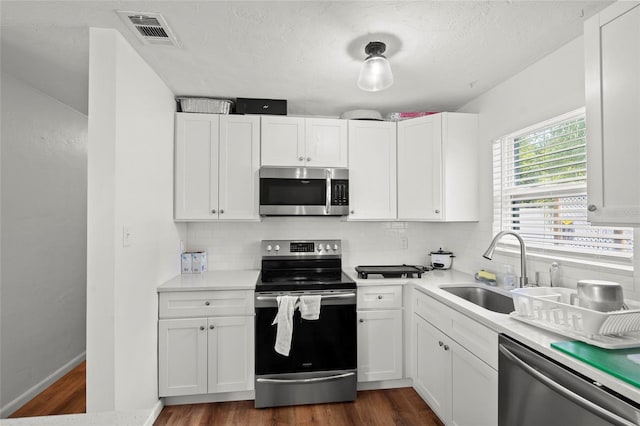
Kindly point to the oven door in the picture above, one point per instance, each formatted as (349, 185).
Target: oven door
(328, 343)
(321, 366)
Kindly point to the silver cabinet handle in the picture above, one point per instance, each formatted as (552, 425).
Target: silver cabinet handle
(592, 208)
(221, 211)
(301, 158)
(440, 343)
(201, 327)
(352, 212)
(437, 211)
(207, 303)
(567, 393)
(308, 158)
(379, 297)
(213, 211)
(361, 320)
(314, 379)
(446, 347)
(211, 327)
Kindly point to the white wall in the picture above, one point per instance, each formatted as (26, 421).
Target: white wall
(44, 195)
(130, 183)
(550, 87)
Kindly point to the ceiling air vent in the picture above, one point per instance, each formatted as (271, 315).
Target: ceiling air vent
(150, 28)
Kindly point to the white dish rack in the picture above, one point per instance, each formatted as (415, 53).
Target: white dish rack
(550, 308)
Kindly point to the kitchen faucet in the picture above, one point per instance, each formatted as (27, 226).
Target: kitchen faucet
(523, 265)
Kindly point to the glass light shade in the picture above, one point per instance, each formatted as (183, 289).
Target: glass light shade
(375, 74)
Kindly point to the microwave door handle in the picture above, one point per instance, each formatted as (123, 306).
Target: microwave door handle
(327, 207)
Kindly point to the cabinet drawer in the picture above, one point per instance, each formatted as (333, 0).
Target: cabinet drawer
(475, 337)
(205, 303)
(380, 297)
(433, 311)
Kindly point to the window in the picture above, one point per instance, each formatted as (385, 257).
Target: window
(540, 192)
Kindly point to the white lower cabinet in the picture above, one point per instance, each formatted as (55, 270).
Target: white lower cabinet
(206, 354)
(460, 387)
(380, 343)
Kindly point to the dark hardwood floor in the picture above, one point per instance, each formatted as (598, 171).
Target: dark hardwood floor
(65, 396)
(379, 407)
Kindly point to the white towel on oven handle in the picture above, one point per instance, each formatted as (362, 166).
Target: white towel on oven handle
(310, 307)
(284, 319)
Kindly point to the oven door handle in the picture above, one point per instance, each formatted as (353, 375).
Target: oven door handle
(327, 206)
(311, 380)
(567, 393)
(328, 296)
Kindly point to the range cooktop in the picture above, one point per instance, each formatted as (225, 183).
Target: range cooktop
(391, 271)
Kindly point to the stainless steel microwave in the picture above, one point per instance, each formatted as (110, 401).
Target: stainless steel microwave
(304, 191)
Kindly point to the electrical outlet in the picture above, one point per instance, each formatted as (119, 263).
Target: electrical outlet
(404, 243)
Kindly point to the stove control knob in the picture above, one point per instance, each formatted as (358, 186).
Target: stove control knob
(319, 248)
(327, 247)
(269, 248)
(277, 247)
(335, 247)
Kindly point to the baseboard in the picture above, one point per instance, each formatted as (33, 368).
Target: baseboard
(155, 413)
(385, 384)
(36, 389)
(211, 397)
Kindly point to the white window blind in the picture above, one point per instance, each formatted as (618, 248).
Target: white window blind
(540, 192)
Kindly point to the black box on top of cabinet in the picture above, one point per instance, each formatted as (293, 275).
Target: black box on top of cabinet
(261, 106)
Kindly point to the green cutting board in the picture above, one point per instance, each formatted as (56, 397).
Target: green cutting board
(613, 361)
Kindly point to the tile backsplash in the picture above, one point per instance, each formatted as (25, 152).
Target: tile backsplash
(237, 245)
(233, 245)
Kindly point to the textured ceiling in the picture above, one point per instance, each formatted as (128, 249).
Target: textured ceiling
(443, 53)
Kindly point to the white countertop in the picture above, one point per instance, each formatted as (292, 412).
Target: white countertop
(534, 337)
(213, 280)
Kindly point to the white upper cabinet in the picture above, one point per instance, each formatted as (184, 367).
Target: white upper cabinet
(216, 168)
(438, 168)
(282, 141)
(326, 142)
(304, 142)
(612, 64)
(372, 170)
(238, 184)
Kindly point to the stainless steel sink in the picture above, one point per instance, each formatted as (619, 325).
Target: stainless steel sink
(483, 297)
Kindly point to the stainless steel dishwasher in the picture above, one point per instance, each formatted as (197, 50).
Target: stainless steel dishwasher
(534, 390)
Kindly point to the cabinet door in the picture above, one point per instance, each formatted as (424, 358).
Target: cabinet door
(326, 142)
(239, 164)
(379, 345)
(231, 354)
(612, 63)
(474, 389)
(182, 357)
(432, 372)
(372, 170)
(420, 168)
(282, 141)
(196, 167)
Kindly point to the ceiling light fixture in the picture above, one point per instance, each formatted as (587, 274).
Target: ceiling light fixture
(375, 73)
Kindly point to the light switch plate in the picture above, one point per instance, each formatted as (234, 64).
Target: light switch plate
(126, 236)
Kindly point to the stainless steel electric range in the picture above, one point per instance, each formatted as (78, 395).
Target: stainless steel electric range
(321, 364)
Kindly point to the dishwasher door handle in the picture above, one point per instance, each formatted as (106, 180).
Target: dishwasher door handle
(569, 394)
